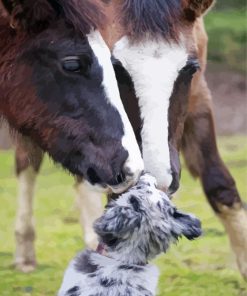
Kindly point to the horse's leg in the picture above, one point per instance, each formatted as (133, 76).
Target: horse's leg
(28, 161)
(91, 208)
(203, 160)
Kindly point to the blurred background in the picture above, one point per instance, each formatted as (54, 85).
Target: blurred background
(204, 267)
(226, 26)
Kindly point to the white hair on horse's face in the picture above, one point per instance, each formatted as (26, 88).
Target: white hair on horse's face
(134, 164)
(154, 66)
(142, 223)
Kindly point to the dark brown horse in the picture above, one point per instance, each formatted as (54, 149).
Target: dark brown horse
(58, 88)
(157, 47)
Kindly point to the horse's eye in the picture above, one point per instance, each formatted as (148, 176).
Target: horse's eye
(75, 64)
(72, 64)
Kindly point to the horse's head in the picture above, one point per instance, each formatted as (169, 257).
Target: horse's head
(59, 88)
(159, 52)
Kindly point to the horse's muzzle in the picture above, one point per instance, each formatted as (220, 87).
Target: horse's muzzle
(119, 182)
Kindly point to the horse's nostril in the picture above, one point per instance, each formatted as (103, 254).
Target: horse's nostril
(78, 153)
(120, 178)
(93, 176)
(117, 180)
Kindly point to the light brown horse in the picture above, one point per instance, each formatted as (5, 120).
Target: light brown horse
(190, 118)
(157, 46)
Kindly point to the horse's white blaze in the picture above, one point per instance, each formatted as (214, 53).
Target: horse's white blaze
(102, 52)
(153, 67)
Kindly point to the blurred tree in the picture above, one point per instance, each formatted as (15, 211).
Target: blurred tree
(232, 4)
(226, 27)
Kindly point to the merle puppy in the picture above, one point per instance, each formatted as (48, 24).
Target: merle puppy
(135, 228)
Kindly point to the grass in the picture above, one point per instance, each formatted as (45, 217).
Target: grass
(227, 37)
(203, 267)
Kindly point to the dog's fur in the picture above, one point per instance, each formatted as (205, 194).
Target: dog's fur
(135, 228)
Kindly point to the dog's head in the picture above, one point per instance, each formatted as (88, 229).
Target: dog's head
(142, 223)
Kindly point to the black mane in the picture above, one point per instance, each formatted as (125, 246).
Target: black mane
(158, 18)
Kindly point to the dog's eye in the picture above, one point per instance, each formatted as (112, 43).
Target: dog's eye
(109, 240)
(135, 203)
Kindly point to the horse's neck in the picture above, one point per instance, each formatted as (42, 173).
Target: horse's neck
(11, 45)
(11, 42)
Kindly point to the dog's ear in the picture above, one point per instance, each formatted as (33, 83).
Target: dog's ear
(196, 8)
(30, 15)
(186, 225)
(117, 221)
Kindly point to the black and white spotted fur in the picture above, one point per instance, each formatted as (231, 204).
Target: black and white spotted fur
(135, 228)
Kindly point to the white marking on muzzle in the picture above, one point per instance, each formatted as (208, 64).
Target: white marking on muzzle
(153, 67)
(134, 162)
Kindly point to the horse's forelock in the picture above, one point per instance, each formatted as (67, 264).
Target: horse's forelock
(83, 15)
(157, 18)
(35, 15)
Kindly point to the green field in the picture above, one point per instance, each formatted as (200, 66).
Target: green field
(227, 37)
(203, 267)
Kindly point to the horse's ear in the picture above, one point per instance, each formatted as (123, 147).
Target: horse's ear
(196, 8)
(29, 15)
(8, 5)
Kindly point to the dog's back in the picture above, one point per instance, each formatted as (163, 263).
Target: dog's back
(92, 274)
